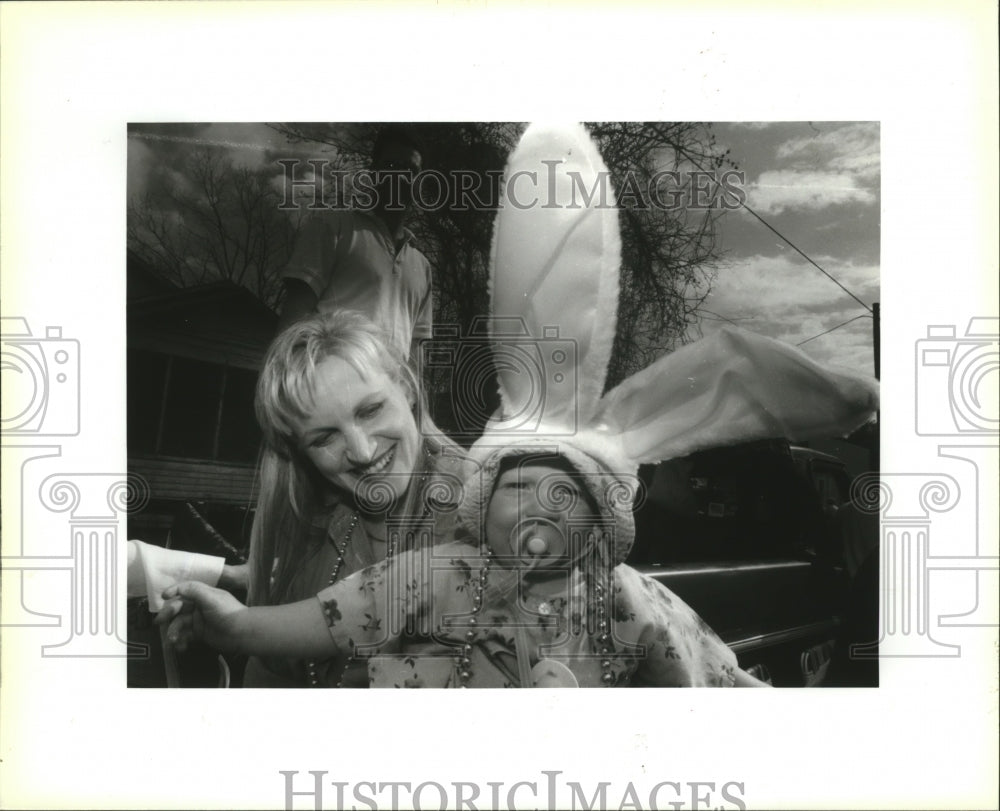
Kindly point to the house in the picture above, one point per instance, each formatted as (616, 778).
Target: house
(193, 355)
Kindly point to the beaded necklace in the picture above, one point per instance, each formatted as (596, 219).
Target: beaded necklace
(341, 551)
(463, 661)
(311, 666)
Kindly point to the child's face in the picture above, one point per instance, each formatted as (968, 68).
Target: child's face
(362, 428)
(531, 514)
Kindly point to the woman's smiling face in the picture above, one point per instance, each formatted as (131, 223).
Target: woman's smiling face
(361, 427)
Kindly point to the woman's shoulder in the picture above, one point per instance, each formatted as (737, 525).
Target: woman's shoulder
(450, 467)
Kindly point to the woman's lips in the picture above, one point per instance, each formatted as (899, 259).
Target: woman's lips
(379, 465)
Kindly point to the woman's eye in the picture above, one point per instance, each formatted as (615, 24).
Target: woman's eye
(370, 411)
(322, 440)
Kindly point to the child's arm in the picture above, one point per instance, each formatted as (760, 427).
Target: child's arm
(197, 611)
(367, 609)
(744, 679)
(680, 649)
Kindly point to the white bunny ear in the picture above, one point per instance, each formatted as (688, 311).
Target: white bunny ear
(554, 277)
(732, 387)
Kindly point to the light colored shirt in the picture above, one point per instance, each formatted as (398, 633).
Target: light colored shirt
(349, 260)
(410, 616)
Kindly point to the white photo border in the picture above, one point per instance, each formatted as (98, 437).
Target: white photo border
(74, 75)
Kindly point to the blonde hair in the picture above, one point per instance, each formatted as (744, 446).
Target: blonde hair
(292, 493)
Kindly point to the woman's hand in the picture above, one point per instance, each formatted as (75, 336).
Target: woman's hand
(196, 611)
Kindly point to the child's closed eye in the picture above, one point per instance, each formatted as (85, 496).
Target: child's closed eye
(518, 485)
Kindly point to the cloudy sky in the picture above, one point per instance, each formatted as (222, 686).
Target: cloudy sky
(157, 149)
(816, 183)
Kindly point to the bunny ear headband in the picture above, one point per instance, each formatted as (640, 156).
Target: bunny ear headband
(554, 293)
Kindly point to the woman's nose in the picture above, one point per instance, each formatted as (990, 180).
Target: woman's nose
(361, 447)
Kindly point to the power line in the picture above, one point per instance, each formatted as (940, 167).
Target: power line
(803, 254)
(718, 317)
(778, 233)
(850, 320)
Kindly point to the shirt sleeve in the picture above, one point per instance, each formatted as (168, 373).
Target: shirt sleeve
(359, 613)
(680, 649)
(315, 256)
(387, 605)
(423, 324)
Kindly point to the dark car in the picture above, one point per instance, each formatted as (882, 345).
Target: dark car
(748, 537)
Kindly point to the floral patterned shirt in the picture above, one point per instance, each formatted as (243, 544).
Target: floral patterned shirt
(413, 619)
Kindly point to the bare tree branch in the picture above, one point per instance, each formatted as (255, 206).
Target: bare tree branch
(212, 220)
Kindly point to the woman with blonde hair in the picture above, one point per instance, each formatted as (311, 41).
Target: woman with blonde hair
(353, 472)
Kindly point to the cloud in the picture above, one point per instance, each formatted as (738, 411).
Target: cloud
(835, 164)
(818, 183)
(786, 285)
(786, 298)
(753, 125)
(848, 147)
(247, 145)
(140, 162)
(775, 191)
(865, 166)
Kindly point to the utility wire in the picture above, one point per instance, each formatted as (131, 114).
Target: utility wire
(807, 340)
(778, 233)
(718, 317)
(803, 254)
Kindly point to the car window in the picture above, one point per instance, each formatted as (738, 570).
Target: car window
(743, 503)
(830, 484)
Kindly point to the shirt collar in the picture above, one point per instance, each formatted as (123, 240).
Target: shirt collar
(408, 237)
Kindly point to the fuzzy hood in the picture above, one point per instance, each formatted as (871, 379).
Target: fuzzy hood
(612, 486)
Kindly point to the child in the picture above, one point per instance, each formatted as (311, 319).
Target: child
(541, 605)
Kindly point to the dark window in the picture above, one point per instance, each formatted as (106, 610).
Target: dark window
(239, 436)
(190, 408)
(831, 484)
(742, 503)
(146, 375)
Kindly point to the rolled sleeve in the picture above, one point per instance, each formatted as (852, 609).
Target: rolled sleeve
(355, 611)
(423, 324)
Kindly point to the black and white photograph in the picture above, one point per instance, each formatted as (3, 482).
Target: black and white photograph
(482, 347)
(607, 246)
